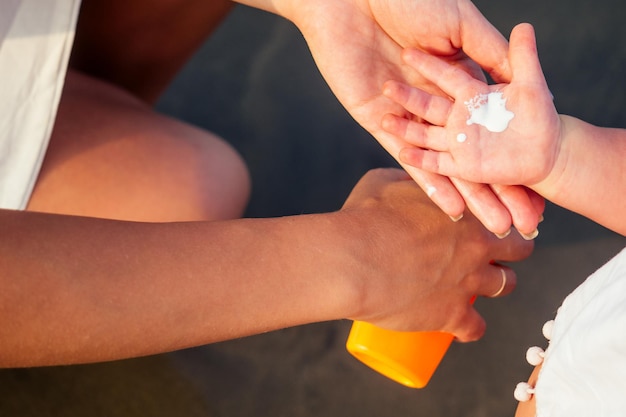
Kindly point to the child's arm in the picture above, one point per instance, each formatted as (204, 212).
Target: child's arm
(589, 176)
(511, 134)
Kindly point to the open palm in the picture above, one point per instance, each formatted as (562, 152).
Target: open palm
(357, 45)
(505, 134)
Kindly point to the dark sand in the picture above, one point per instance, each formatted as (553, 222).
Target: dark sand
(255, 83)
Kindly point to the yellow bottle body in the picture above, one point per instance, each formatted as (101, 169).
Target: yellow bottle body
(409, 358)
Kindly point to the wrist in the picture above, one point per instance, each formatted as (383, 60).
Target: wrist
(346, 261)
(328, 265)
(553, 182)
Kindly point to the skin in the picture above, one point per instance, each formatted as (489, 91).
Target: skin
(112, 156)
(564, 159)
(95, 289)
(132, 245)
(345, 37)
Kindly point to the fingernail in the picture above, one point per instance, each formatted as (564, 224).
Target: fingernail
(503, 235)
(457, 218)
(530, 236)
(541, 218)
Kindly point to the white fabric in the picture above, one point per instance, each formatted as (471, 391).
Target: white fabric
(35, 41)
(584, 371)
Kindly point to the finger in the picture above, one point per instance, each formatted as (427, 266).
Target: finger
(522, 209)
(415, 133)
(434, 109)
(429, 160)
(440, 190)
(484, 43)
(496, 281)
(511, 248)
(523, 55)
(485, 205)
(538, 202)
(451, 79)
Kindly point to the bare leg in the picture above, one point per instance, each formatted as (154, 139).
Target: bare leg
(140, 45)
(111, 156)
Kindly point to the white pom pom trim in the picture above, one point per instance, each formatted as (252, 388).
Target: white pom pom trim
(547, 329)
(535, 355)
(523, 392)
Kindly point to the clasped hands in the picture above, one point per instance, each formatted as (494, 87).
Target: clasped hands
(471, 132)
(358, 46)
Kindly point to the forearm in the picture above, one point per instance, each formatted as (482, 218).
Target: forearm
(590, 175)
(83, 290)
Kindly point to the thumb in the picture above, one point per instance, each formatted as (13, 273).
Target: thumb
(523, 55)
(482, 42)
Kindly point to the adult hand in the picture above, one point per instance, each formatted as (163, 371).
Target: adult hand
(518, 144)
(97, 287)
(521, 148)
(416, 270)
(357, 46)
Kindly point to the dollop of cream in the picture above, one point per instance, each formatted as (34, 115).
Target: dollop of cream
(489, 110)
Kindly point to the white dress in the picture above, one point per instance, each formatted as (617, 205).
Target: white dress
(584, 370)
(35, 42)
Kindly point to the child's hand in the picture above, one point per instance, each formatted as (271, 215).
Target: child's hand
(498, 134)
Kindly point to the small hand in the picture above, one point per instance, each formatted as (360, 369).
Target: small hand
(498, 134)
(357, 46)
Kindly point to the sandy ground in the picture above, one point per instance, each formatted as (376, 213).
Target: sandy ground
(254, 83)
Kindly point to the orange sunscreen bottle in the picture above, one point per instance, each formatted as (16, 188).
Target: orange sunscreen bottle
(409, 358)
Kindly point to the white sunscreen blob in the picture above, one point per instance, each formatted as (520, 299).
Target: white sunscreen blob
(430, 190)
(461, 137)
(488, 110)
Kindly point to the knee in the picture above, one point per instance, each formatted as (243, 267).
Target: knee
(112, 157)
(216, 179)
(199, 177)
